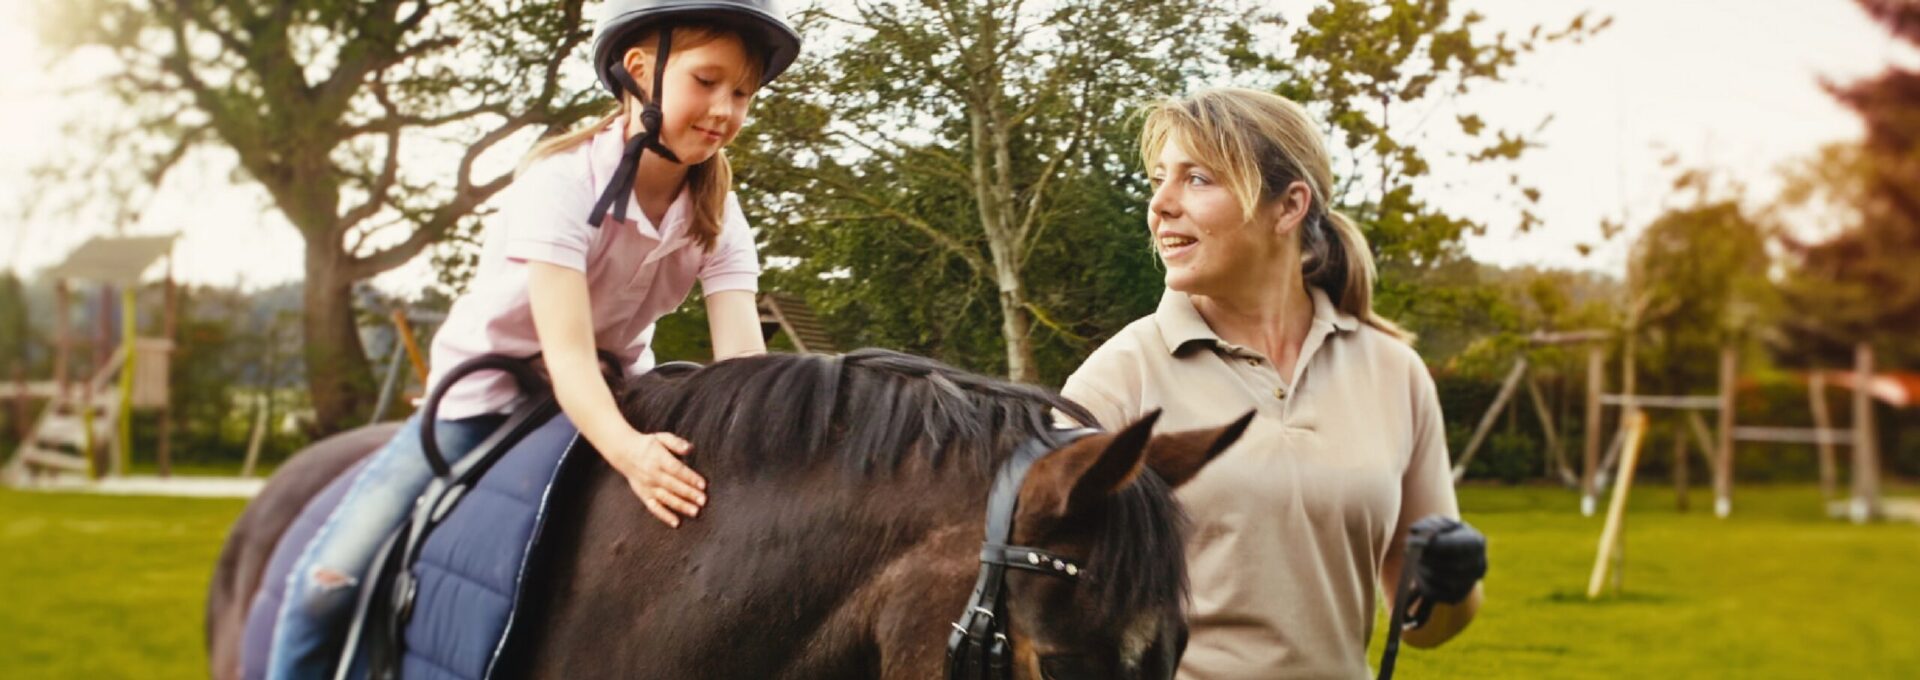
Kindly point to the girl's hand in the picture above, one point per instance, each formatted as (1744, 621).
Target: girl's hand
(651, 464)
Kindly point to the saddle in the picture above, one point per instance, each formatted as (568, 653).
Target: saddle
(440, 598)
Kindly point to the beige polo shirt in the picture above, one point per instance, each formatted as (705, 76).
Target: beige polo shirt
(1293, 524)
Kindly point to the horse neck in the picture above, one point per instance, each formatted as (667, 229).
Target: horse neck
(800, 564)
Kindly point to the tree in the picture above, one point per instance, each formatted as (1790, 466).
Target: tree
(1858, 284)
(949, 168)
(320, 101)
(1698, 281)
(950, 131)
(1376, 73)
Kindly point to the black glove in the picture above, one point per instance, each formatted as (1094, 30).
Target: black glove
(1452, 559)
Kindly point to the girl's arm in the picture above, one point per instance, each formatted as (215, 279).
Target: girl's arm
(733, 318)
(564, 320)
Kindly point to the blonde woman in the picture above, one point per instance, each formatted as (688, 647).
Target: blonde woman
(1299, 527)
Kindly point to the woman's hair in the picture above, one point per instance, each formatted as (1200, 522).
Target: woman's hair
(1258, 144)
(710, 181)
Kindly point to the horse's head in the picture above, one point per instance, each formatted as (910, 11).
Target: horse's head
(1095, 503)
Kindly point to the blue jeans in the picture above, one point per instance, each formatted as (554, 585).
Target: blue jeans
(376, 503)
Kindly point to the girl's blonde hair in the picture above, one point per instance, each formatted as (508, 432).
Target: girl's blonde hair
(710, 181)
(1258, 144)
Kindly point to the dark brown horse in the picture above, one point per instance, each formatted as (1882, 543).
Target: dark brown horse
(841, 537)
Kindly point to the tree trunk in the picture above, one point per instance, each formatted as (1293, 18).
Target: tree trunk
(993, 191)
(1016, 327)
(339, 378)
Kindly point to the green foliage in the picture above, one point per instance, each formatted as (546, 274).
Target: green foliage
(1858, 285)
(1855, 283)
(950, 180)
(864, 168)
(16, 334)
(232, 349)
(319, 100)
(1698, 280)
(1368, 68)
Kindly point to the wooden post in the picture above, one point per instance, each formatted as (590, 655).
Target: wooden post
(87, 443)
(259, 435)
(1866, 460)
(1823, 421)
(1557, 459)
(413, 346)
(103, 329)
(122, 464)
(1636, 424)
(1493, 414)
(1723, 457)
(169, 328)
(1702, 437)
(20, 425)
(1590, 456)
(1630, 363)
(62, 339)
(1679, 470)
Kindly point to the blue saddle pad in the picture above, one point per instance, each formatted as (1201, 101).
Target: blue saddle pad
(471, 567)
(469, 571)
(257, 637)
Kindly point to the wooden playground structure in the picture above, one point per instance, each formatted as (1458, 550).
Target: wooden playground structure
(85, 427)
(1715, 443)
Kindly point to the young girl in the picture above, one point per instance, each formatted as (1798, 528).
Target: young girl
(603, 231)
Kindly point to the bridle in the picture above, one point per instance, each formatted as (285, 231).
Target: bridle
(979, 649)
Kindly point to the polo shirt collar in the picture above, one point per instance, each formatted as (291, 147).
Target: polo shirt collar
(604, 154)
(1180, 324)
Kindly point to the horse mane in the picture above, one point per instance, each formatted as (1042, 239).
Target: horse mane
(868, 411)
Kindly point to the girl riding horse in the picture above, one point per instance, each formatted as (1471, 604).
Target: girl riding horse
(603, 231)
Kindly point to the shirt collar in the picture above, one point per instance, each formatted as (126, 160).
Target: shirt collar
(604, 154)
(1180, 324)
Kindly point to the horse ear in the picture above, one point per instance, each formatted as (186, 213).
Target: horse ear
(1083, 475)
(1178, 456)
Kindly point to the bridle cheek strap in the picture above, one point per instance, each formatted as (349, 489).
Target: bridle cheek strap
(978, 648)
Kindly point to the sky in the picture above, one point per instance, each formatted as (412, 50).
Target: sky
(1729, 85)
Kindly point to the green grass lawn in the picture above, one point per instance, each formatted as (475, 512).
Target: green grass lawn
(108, 587)
(1776, 591)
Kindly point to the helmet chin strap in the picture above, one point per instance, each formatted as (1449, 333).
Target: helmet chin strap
(651, 120)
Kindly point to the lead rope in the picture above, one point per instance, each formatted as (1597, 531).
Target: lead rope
(1400, 606)
(651, 120)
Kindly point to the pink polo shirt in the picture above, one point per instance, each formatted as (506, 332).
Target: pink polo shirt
(636, 271)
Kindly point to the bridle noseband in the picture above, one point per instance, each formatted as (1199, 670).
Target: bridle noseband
(979, 649)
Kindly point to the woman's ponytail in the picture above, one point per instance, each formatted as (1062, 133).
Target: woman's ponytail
(1344, 269)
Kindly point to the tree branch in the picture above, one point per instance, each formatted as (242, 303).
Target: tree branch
(953, 170)
(972, 257)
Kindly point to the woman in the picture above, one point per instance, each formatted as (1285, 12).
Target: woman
(1268, 308)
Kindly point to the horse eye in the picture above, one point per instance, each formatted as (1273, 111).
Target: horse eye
(1067, 667)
